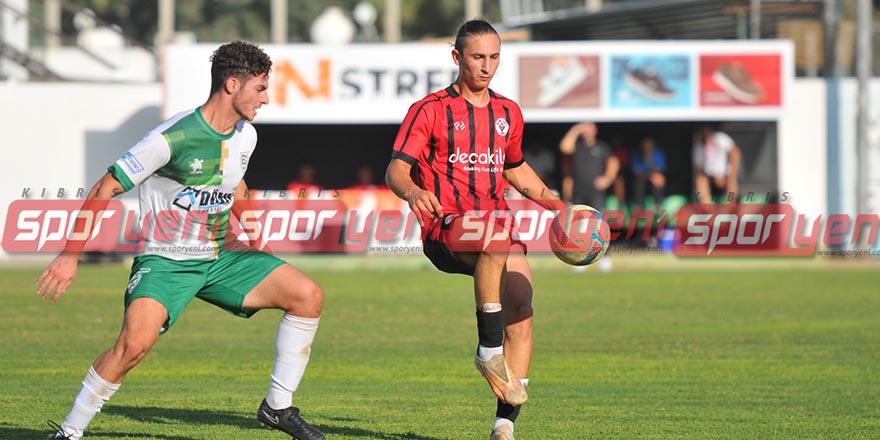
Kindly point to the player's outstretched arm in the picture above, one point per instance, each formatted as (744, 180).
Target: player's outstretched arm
(61, 272)
(423, 203)
(529, 184)
(242, 203)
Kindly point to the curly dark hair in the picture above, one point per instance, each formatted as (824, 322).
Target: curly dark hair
(238, 59)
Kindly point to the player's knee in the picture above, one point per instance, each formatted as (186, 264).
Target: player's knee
(131, 352)
(496, 257)
(497, 251)
(315, 296)
(308, 299)
(519, 312)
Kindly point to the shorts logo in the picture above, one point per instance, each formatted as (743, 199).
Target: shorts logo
(501, 126)
(136, 279)
(132, 163)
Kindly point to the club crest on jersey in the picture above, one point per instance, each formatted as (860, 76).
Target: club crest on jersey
(196, 166)
(244, 162)
(501, 126)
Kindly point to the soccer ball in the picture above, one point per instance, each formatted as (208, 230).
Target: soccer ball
(579, 235)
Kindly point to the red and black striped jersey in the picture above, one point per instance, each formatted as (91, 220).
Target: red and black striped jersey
(459, 151)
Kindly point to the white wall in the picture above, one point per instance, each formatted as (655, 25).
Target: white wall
(803, 153)
(848, 164)
(63, 135)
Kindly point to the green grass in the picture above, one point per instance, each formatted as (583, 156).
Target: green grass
(781, 353)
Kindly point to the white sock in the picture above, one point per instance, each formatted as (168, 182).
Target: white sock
(486, 353)
(501, 421)
(91, 397)
(293, 344)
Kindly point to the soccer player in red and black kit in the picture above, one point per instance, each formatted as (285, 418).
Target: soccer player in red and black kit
(454, 150)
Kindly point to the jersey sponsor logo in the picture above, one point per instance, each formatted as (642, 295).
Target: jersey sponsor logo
(191, 198)
(196, 166)
(459, 156)
(501, 126)
(459, 125)
(132, 163)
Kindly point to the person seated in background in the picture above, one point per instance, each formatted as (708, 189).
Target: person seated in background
(304, 186)
(648, 166)
(365, 179)
(716, 165)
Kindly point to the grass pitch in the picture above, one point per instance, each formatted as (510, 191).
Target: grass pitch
(690, 353)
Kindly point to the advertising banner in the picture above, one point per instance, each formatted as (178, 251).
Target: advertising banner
(552, 81)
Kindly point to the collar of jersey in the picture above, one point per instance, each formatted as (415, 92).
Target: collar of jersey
(210, 129)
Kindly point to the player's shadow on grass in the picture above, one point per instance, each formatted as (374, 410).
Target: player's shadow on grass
(151, 414)
(355, 432)
(8, 432)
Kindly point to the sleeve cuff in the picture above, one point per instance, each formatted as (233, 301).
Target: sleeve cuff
(510, 165)
(120, 176)
(404, 157)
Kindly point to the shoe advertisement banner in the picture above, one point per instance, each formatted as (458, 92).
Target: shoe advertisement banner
(559, 81)
(650, 81)
(552, 81)
(740, 80)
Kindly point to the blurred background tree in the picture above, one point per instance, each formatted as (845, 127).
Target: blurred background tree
(215, 20)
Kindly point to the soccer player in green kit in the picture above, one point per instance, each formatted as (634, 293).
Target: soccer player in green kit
(191, 168)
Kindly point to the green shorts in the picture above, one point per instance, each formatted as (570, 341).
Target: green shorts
(223, 282)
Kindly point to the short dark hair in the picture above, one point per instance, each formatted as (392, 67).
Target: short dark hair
(472, 28)
(237, 59)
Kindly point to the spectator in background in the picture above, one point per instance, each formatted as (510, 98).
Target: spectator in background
(648, 168)
(716, 165)
(304, 186)
(590, 166)
(590, 169)
(620, 151)
(365, 179)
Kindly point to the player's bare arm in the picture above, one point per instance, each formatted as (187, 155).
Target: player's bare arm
(242, 202)
(524, 179)
(61, 272)
(423, 203)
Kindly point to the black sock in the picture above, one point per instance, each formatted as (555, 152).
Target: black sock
(490, 327)
(507, 411)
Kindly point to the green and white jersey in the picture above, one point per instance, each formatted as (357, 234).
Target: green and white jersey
(187, 174)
